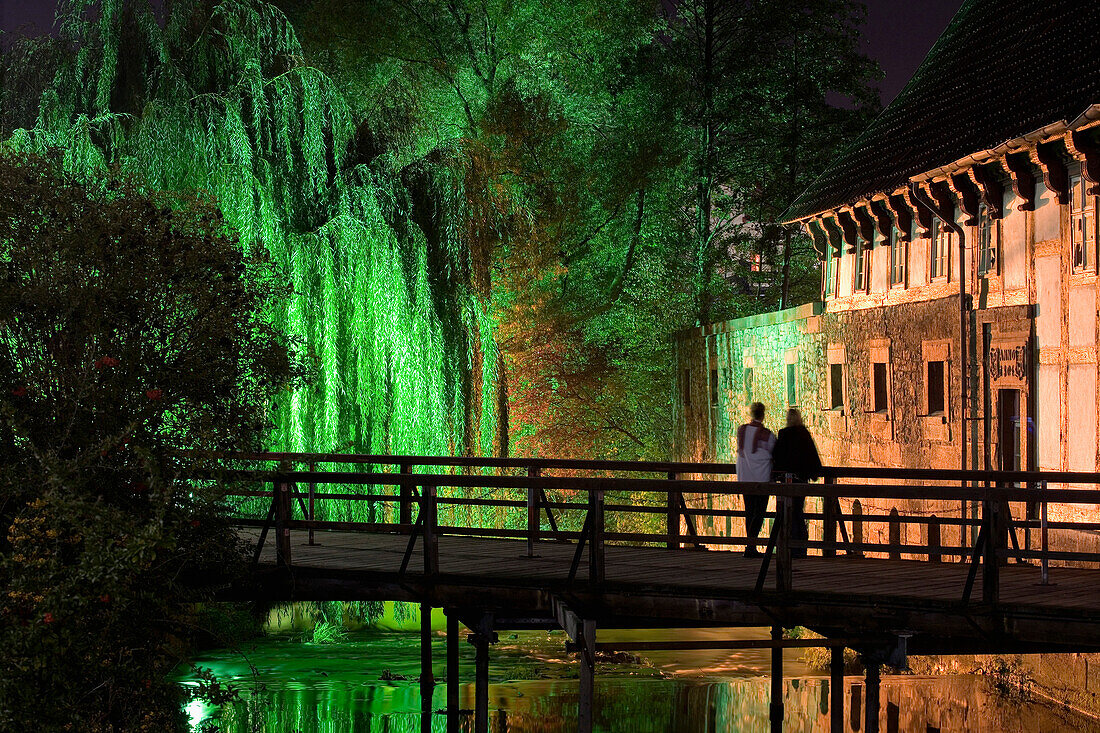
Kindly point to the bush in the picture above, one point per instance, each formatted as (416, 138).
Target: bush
(131, 326)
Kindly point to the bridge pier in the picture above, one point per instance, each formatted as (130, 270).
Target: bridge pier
(587, 652)
(427, 680)
(481, 639)
(870, 721)
(776, 707)
(836, 690)
(453, 705)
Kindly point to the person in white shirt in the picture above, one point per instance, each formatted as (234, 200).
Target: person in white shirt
(755, 444)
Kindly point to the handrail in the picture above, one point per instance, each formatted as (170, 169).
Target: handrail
(995, 542)
(666, 467)
(700, 486)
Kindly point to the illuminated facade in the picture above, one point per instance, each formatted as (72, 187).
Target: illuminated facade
(1001, 149)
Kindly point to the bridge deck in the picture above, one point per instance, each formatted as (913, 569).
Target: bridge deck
(850, 593)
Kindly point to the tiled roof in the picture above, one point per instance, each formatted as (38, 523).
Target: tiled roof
(1002, 69)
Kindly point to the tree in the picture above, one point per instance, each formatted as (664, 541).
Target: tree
(132, 326)
(760, 87)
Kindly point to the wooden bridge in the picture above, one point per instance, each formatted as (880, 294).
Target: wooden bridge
(584, 545)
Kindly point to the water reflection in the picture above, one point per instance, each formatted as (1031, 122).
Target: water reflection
(369, 683)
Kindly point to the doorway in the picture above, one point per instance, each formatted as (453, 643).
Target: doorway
(1008, 429)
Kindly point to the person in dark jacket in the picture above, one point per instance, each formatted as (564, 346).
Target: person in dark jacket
(795, 453)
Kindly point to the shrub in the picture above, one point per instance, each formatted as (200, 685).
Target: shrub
(132, 325)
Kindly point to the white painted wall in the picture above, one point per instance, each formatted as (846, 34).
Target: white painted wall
(918, 260)
(1048, 281)
(844, 286)
(880, 266)
(1081, 418)
(1050, 417)
(1048, 214)
(1082, 317)
(1013, 243)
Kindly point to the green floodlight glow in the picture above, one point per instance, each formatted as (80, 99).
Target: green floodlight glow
(229, 109)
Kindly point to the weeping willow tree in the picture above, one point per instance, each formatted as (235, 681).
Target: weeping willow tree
(218, 97)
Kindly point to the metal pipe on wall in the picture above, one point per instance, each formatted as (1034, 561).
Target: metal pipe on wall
(918, 196)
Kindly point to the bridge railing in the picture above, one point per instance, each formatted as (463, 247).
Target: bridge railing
(601, 503)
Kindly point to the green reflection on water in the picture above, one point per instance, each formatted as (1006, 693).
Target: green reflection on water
(317, 688)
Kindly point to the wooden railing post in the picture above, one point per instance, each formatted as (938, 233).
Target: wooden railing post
(312, 490)
(595, 541)
(784, 516)
(282, 516)
(935, 543)
(828, 529)
(1044, 562)
(428, 510)
(857, 528)
(672, 515)
(894, 534)
(533, 472)
(405, 516)
(994, 540)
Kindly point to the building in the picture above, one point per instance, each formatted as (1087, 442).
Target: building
(957, 325)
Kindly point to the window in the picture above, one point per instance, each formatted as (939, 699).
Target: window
(836, 386)
(714, 388)
(899, 255)
(792, 391)
(935, 385)
(687, 388)
(879, 392)
(748, 385)
(940, 249)
(987, 242)
(1082, 217)
(831, 267)
(859, 271)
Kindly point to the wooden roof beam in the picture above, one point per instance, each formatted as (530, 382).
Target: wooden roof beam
(903, 215)
(941, 195)
(1084, 147)
(848, 229)
(924, 218)
(993, 192)
(866, 226)
(818, 236)
(832, 231)
(884, 219)
(968, 196)
(1049, 159)
(1018, 168)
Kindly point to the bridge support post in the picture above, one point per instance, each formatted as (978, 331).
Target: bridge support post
(836, 689)
(533, 472)
(405, 508)
(429, 513)
(586, 648)
(672, 516)
(453, 704)
(427, 680)
(870, 721)
(784, 517)
(595, 539)
(776, 707)
(994, 541)
(481, 640)
(282, 516)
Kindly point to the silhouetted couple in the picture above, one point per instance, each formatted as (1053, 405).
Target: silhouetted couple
(759, 453)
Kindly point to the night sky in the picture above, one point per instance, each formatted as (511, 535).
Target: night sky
(898, 33)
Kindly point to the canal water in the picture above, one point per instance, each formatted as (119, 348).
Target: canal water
(367, 681)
